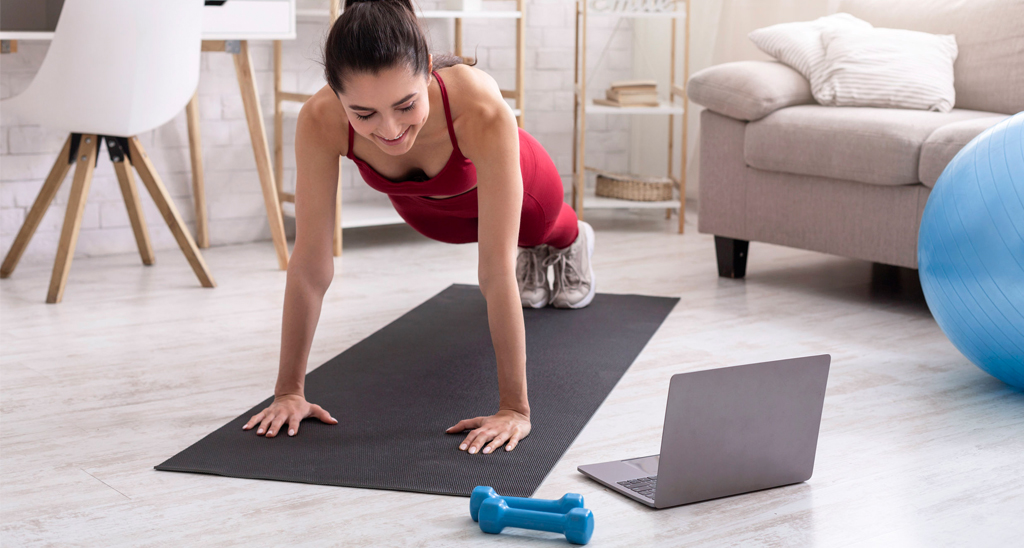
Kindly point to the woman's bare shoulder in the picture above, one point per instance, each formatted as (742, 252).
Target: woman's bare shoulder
(471, 90)
(323, 119)
(480, 115)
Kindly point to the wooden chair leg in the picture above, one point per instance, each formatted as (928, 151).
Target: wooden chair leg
(195, 148)
(258, 136)
(35, 214)
(170, 214)
(278, 121)
(86, 160)
(134, 206)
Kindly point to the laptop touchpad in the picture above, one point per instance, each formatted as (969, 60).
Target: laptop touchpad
(647, 465)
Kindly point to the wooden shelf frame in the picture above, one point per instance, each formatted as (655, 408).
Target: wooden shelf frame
(280, 96)
(581, 107)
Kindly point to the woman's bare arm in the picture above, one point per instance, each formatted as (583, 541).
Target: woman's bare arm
(488, 135)
(310, 269)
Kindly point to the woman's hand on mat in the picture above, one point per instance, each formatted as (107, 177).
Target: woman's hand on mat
(505, 426)
(288, 408)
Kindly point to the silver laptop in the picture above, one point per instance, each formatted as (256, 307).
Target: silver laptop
(728, 431)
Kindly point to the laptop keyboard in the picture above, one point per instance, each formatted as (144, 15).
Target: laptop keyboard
(643, 486)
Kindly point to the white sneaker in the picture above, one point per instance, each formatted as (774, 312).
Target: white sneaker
(532, 275)
(573, 285)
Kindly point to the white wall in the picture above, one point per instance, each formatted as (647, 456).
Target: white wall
(236, 208)
(718, 34)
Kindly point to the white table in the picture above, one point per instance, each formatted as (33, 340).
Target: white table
(227, 28)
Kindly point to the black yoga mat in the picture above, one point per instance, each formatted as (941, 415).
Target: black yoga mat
(396, 392)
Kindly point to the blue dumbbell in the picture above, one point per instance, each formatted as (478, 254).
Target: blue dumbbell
(577, 524)
(560, 506)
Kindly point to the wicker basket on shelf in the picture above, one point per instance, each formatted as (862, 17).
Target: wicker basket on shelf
(633, 187)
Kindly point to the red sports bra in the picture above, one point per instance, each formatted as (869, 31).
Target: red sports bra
(456, 177)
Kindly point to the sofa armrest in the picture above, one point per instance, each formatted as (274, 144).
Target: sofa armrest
(749, 90)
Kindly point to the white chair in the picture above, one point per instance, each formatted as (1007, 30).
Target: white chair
(115, 68)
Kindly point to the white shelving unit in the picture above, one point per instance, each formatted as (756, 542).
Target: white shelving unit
(583, 199)
(664, 107)
(380, 212)
(600, 202)
(320, 15)
(377, 212)
(641, 14)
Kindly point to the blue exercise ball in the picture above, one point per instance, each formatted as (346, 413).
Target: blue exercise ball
(970, 251)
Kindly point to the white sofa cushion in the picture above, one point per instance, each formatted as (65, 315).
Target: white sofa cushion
(942, 145)
(799, 44)
(748, 90)
(880, 146)
(887, 68)
(989, 68)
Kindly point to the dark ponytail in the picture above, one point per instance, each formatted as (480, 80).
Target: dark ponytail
(374, 35)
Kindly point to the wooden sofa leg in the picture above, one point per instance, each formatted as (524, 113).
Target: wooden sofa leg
(732, 257)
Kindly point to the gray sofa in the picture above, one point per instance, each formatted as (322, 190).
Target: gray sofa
(776, 167)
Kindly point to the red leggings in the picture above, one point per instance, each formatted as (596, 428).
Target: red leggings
(546, 218)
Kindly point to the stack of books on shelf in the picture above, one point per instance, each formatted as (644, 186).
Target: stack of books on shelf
(631, 93)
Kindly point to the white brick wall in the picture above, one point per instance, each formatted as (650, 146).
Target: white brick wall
(236, 209)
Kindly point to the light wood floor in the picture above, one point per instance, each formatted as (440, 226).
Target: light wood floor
(917, 446)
